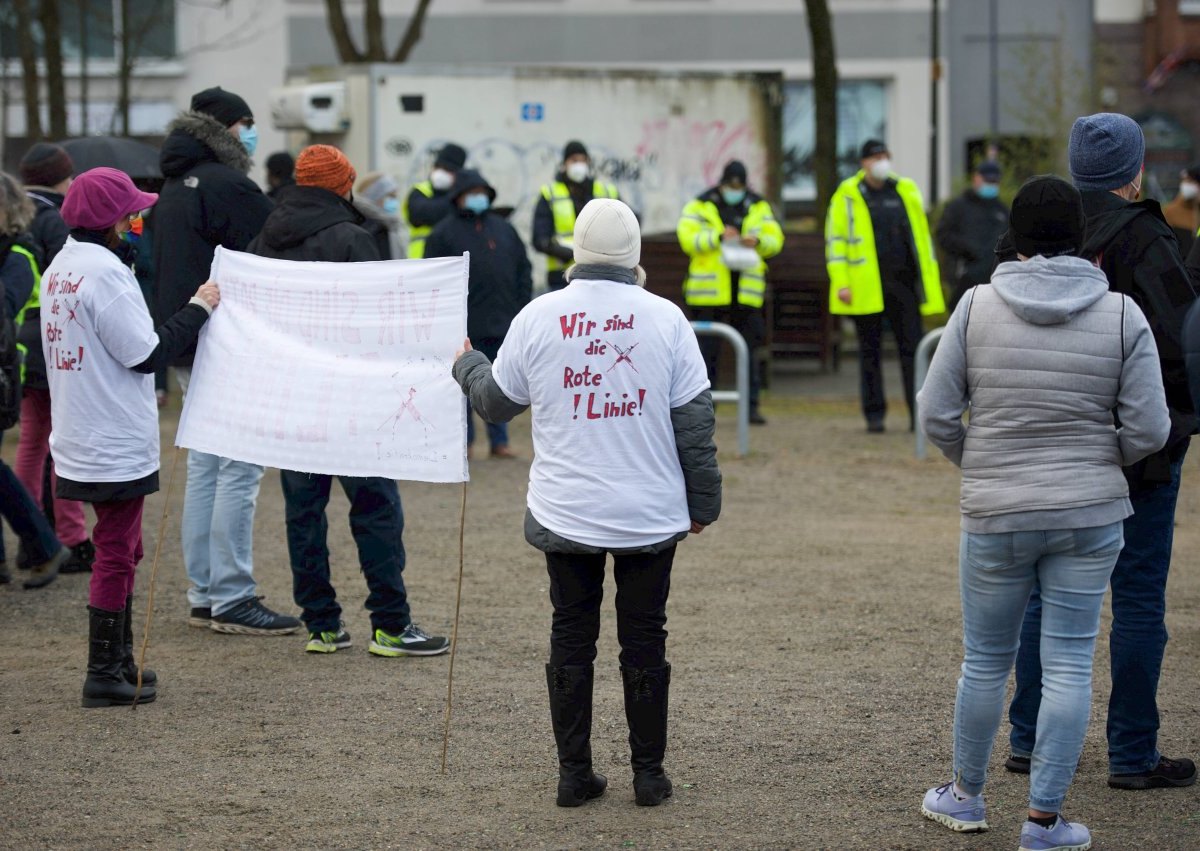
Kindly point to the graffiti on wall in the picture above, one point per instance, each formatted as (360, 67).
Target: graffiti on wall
(666, 162)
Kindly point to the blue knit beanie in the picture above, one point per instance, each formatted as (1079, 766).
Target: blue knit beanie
(1107, 151)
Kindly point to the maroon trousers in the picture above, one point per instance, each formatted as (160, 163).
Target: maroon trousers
(117, 536)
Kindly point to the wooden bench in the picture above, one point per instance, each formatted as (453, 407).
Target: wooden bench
(798, 321)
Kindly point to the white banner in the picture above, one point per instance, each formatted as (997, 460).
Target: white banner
(339, 368)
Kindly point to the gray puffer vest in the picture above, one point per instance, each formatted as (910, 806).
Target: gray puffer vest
(1041, 434)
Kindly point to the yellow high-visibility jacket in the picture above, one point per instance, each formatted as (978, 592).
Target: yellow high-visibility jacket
(34, 301)
(562, 208)
(850, 253)
(417, 233)
(709, 282)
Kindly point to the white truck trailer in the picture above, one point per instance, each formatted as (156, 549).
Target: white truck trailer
(660, 137)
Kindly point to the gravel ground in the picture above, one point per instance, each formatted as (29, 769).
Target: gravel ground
(815, 638)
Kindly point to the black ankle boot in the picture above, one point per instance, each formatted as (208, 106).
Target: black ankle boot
(129, 667)
(646, 711)
(570, 690)
(105, 684)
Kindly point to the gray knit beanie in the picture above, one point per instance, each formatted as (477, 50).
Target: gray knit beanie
(1107, 151)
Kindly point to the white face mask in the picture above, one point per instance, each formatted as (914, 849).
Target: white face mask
(880, 169)
(441, 180)
(577, 172)
(1189, 190)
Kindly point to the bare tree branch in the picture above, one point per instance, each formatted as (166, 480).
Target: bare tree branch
(373, 27)
(336, 16)
(412, 33)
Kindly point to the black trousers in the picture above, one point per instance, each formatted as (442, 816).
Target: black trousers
(903, 314)
(377, 525)
(577, 589)
(747, 321)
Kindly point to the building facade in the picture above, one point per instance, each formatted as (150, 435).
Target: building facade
(1012, 69)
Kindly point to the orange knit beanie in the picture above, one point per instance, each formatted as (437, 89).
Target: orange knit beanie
(325, 166)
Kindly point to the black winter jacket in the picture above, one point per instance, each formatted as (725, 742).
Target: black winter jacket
(311, 223)
(427, 211)
(1139, 255)
(967, 232)
(206, 201)
(1191, 350)
(500, 282)
(15, 276)
(47, 235)
(376, 227)
(48, 231)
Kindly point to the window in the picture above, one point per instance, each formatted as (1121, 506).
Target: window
(150, 27)
(862, 115)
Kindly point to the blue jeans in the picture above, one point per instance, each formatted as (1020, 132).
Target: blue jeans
(377, 524)
(497, 432)
(26, 519)
(218, 526)
(1136, 644)
(997, 573)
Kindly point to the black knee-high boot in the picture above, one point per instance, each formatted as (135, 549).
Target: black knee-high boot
(105, 684)
(570, 688)
(129, 668)
(646, 711)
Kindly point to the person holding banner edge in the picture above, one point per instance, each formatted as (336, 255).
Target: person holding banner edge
(208, 200)
(315, 221)
(611, 372)
(101, 351)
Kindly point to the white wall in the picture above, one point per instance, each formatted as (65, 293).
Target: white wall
(239, 47)
(1119, 11)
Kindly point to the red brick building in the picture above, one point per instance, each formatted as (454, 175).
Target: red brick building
(1150, 69)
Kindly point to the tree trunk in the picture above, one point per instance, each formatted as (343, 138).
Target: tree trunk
(825, 85)
(373, 28)
(412, 34)
(56, 94)
(29, 72)
(83, 67)
(336, 17)
(125, 61)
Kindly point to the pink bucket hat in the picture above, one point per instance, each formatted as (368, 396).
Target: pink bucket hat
(101, 197)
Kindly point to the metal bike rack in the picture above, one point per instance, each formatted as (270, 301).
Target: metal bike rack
(742, 394)
(923, 358)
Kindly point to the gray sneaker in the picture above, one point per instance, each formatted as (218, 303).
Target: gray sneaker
(250, 617)
(414, 641)
(46, 572)
(1062, 836)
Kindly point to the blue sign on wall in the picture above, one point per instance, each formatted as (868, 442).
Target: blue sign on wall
(533, 111)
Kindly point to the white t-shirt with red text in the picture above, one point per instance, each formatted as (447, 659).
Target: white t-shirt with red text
(95, 326)
(602, 364)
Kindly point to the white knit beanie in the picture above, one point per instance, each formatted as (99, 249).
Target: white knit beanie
(607, 232)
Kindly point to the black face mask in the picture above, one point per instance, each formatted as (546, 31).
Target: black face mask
(126, 251)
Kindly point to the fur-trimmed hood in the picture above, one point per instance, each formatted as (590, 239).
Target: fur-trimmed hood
(195, 138)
